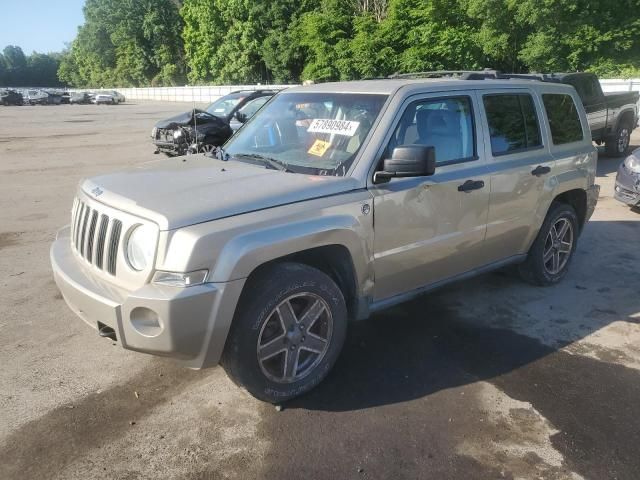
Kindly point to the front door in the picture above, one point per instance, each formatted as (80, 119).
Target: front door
(428, 229)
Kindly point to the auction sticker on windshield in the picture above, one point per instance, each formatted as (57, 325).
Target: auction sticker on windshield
(339, 127)
(319, 148)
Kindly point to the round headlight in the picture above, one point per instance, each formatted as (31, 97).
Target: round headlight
(177, 134)
(140, 247)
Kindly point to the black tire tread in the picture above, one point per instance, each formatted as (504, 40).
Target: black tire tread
(264, 288)
(532, 269)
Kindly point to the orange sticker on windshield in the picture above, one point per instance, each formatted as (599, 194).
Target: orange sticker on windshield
(319, 148)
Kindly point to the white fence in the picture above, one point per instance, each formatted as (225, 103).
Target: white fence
(617, 85)
(189, 94)
(209, 94)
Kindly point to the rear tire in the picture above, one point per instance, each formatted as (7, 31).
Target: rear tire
(287, 333)
(618, 144)
(550, 255)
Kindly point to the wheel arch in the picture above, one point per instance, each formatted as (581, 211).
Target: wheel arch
(627, 114)
(576, 198)
(335, 261)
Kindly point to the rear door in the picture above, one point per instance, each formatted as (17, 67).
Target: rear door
(428, 229)
(520, 166)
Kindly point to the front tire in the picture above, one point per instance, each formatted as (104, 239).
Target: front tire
(287, 333)
(550, 255)
(618, 144)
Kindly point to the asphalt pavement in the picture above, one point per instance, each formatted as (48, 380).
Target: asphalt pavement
(487, 379)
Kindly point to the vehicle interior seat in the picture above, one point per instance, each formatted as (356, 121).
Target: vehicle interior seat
(442, 130)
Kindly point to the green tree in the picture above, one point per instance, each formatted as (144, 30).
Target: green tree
(126, 43)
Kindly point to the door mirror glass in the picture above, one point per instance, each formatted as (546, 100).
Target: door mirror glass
(408, 161)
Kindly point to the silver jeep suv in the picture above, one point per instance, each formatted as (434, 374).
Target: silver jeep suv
(333, 202)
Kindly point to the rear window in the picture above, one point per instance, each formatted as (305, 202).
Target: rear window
(513, 123)
(563, 118)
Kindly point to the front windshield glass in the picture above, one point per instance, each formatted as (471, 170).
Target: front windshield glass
(313, 133)
(223, 106)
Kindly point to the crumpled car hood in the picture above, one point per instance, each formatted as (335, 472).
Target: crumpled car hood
(186, 118)
(184, 191)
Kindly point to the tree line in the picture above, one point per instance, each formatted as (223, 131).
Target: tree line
(35, 70)
(173, 42)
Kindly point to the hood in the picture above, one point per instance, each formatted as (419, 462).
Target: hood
(184, 191)
(186, 118)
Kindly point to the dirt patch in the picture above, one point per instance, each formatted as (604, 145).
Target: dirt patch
(9, 239)
(68, 432)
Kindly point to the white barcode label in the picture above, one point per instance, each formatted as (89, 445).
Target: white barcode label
(339, 127)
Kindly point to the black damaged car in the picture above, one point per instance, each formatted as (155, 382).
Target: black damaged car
(11, 97)
(202, 130)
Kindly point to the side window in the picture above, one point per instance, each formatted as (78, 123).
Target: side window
(444, 123)
(253, 105)
(564, 120)
(513, 123)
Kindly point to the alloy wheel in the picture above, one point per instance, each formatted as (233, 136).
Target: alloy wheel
(295, 337)
(558, 246)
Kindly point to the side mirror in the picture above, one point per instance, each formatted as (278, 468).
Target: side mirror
(241, 117)
(408, 161)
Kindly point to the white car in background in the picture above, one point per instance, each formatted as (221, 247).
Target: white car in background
(118, 97)
(104, 99)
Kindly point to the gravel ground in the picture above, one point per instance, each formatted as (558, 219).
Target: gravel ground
(489, 378)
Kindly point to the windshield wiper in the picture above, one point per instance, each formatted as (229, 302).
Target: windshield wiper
(268, 161)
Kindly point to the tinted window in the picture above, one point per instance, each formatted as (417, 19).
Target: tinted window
(563, 118)
(446, 124)
(513, 123)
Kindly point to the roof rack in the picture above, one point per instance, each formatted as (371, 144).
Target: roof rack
(486, 74)
(433, 74)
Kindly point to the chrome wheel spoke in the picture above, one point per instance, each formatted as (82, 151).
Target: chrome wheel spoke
(556, 262)
(287, 317)
(563, 230)
(271, 348)
(310, 316)
(565, 247)
(313, 343)
(547, 255)
(291, 364)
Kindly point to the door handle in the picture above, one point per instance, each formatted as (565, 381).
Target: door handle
(540, 170)
(471, 185)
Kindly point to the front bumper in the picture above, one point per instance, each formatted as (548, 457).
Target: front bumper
(190, 324)
(170, 147)
(627, 189)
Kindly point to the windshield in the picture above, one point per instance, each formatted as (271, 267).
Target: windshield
(223, 106)
(313, 133)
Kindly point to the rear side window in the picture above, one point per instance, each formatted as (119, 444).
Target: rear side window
(513, 123)
(563, 118)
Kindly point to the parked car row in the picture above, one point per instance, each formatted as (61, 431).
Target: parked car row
(28, 96)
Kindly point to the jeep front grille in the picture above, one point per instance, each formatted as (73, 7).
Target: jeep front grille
(95, 236)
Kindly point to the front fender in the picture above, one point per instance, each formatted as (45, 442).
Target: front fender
(232, 248)
(244, 253)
